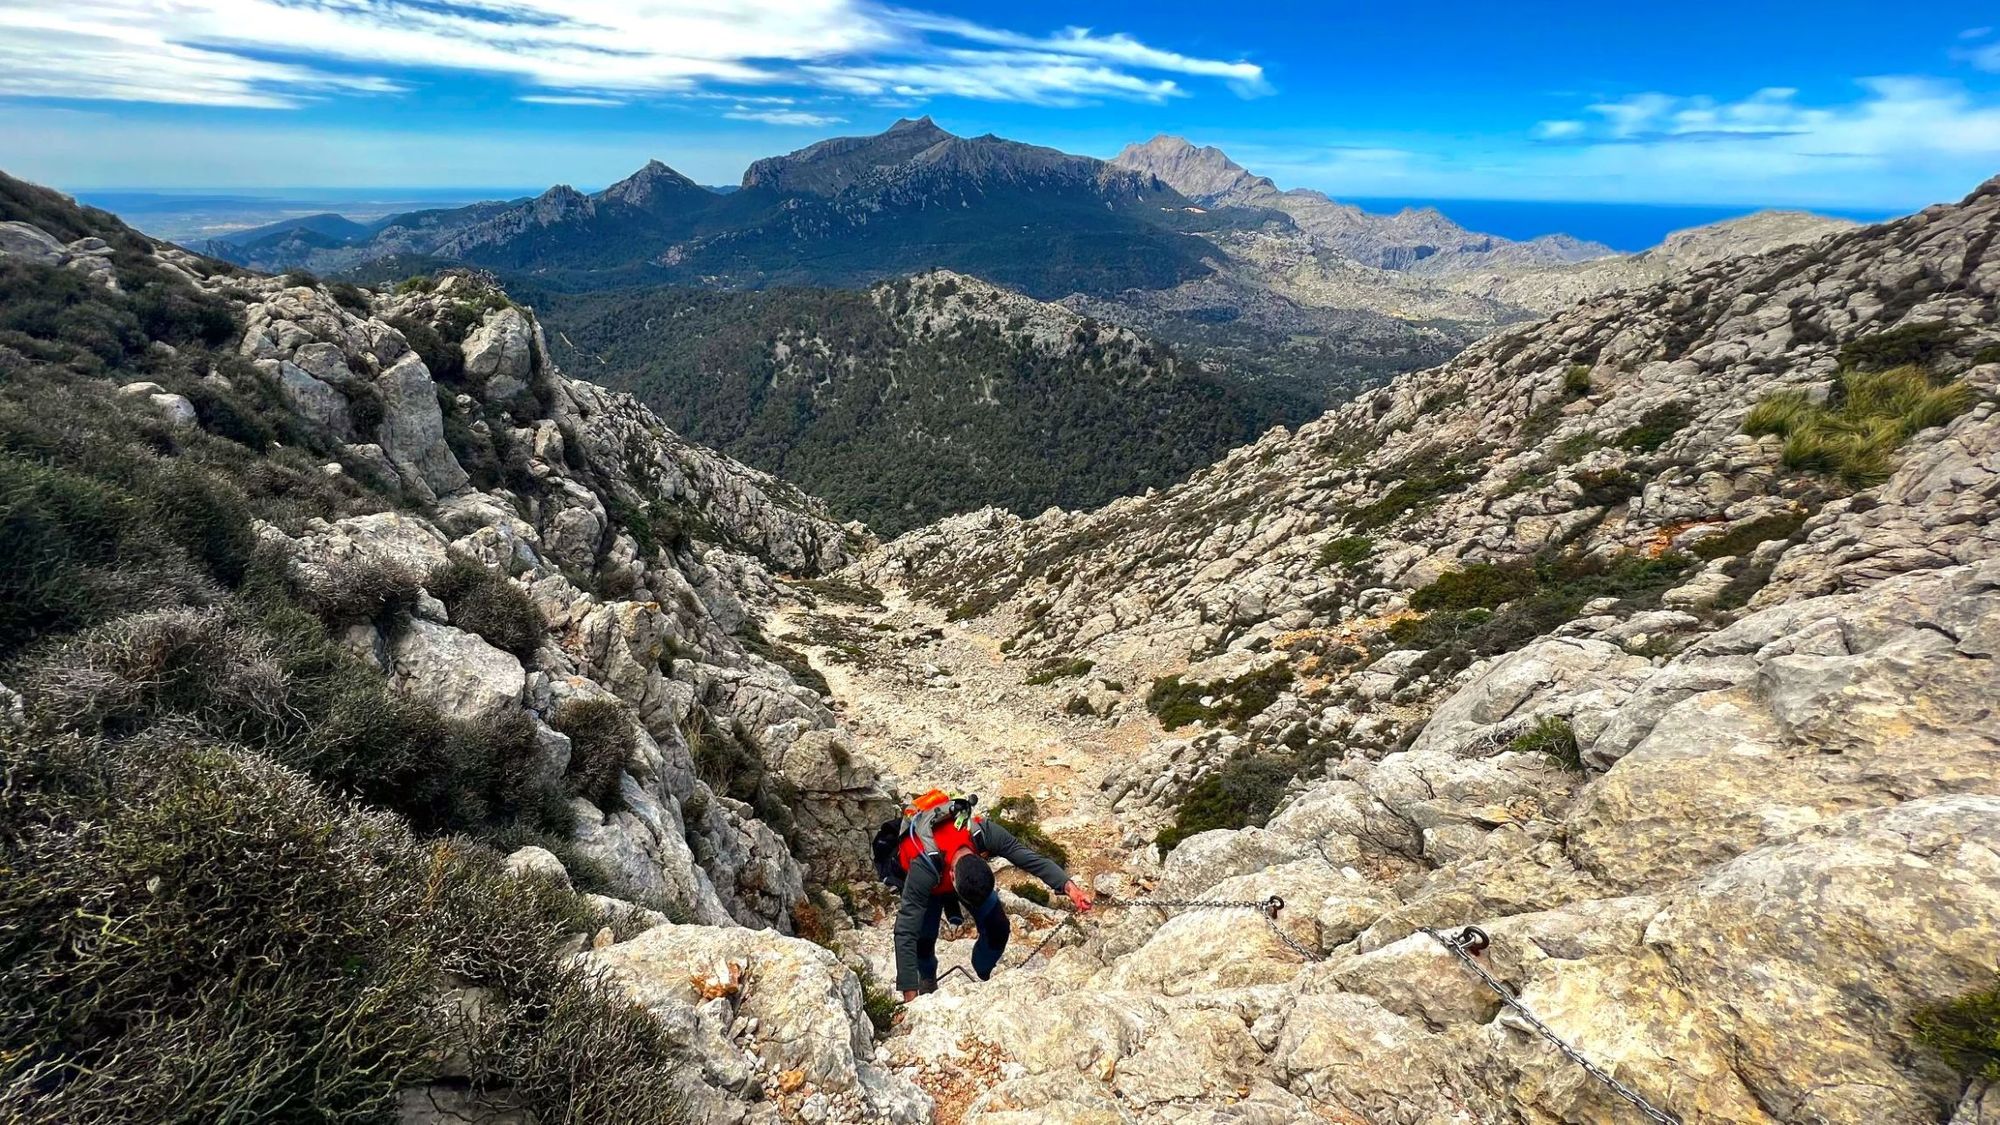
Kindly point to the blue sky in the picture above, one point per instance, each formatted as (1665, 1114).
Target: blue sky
(1836, 104)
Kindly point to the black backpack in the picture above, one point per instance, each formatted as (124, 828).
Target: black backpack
(888, 842)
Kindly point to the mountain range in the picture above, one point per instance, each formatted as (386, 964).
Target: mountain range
(1181, 236)
(754, 320)
(398, 727)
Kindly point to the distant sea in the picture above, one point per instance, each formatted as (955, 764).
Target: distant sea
(1629, 227)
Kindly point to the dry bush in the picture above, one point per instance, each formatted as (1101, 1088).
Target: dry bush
(195, 934)
(601, 743)
(487, 603)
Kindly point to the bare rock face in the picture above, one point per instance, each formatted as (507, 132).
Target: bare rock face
(769, 1017)
(498, 352)
(458, 671)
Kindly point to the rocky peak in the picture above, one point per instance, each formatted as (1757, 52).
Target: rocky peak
(831, 166)
(916, 126)
(652, 186)
(1205, 174)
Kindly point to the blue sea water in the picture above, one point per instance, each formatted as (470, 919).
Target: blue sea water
(1629, 227)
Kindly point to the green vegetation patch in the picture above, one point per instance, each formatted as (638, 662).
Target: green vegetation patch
(1480, 584)
(1542, 593)
(1655, 428)
(486, 602)
(1350, 552)
(1243, 793)
(1552, 736)
(1236, 701)
(1067, 669)
(1966, 1031)
(1747, 536)
(1923, 344)
(601, 742)
(1855, 434)
(1417, 492)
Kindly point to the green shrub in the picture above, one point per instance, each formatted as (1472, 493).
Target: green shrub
(1558, 585)
(1745, 537)
(1066, 669)
(442, 357)
(1417, 492)
(1856, 433)
(1480, 584)
(1018, 815)
(881, 1004)
(1988, 354)
(1576, 380)
(1923, 344)
(488, 603)
(350, 296)
(1244, 792)
(419, 283)
(195, 934)
(1554, 737)
(1179, 703)
(1573, 448)
(1603, 488)
(1035, 893)
(1655, 428)
(1350, 552)
(1965, 1031)
(601, 746)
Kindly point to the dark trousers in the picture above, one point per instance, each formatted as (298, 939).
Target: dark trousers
(993, 933)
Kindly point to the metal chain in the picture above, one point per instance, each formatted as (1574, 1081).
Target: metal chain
(1462, 947)
(1269, 908)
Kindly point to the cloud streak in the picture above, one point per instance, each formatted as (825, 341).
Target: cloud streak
(1896, 116)
(280, 54)
(782, 116)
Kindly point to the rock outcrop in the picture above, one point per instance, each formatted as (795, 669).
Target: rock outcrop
(1698, 732)
(643, 562)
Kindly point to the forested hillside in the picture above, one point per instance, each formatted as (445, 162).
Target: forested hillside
(918, 398)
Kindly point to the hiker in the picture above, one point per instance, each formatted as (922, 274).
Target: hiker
(937, 855)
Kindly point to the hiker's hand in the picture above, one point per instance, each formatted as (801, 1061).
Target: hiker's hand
(909, 994)
(1078, 897)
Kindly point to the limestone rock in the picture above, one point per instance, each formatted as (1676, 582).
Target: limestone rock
(498, 352)
(805, 1006)
(456, 670)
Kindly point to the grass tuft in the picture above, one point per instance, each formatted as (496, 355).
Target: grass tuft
(1554, 737)
(1855, 435)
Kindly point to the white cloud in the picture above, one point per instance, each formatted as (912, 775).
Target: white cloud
(1975, 33)
(570, 99)
(1038, 79)
(1246, 78)
(224, 52)
(1985, 58)
(782, 116)
(1895, 116)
